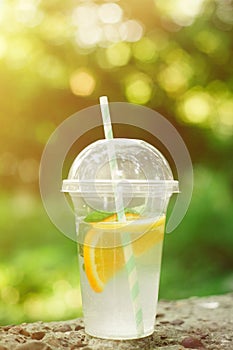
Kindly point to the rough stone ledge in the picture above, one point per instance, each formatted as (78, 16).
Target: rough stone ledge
(194, 323)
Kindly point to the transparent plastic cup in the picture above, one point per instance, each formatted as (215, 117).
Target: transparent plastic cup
(144, 184)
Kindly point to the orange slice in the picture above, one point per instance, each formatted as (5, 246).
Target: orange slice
(102, 263)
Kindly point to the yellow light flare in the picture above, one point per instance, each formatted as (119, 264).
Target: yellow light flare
(118, 54)
(139, 88)
(173, 79)
(196, 107)
(56, 29)
(223, 123)
(73, 298)
(145, 50)
(89, 37)
(103, 24)
(82, 83)
(224, 12)
(207, 41)
(34, 306)
(131, 31)
(53, 71)
(19, 52)
(110, 13)
(177, 55)
(85, 15)
(181, 12)
(111, 33)
(27, 12)
(225, 110)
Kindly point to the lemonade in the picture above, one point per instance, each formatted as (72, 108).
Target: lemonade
(120, 190)
(107, 300)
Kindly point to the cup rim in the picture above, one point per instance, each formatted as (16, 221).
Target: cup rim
(111, 186)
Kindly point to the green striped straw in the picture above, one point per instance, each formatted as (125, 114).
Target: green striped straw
(125, 238)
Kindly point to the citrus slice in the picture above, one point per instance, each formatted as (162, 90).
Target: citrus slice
(102, 263)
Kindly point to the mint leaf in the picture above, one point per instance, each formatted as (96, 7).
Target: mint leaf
(97, 216)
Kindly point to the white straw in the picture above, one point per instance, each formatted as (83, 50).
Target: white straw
(111, 155)
(125, 238)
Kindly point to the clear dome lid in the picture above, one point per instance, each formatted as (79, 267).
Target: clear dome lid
(129, 163)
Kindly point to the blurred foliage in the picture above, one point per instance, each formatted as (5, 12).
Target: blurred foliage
(57, 57)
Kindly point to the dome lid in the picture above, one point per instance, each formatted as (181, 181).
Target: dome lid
(127, 163)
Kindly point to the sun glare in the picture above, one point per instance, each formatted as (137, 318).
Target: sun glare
(196, 107)
(181, 12)
(26, 12)
(110, 13)
(82, 83)
(104, 24)
(225, 109)
(118, 55)
(173, 78)
(85, 15)
(138, 88)
(208, 41)
(131, 31)
(145, 50)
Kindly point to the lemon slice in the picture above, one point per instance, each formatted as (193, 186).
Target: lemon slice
(102, 263)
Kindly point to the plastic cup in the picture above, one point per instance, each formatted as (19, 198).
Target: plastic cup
(144, 185)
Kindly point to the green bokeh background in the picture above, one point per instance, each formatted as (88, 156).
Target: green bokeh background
(57, 58)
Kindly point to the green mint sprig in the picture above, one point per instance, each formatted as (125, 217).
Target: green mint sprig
(97, 216)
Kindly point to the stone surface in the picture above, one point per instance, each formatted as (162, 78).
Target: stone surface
(194, 323)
